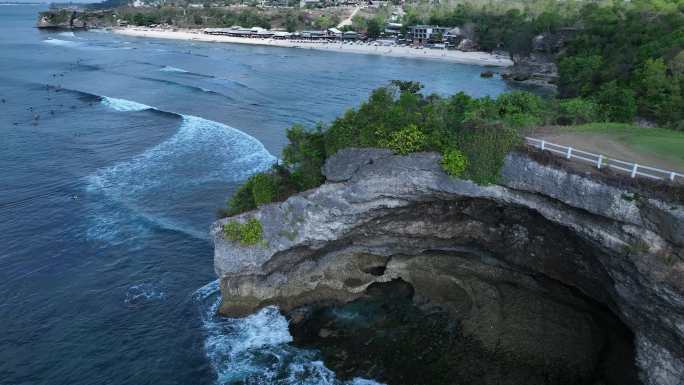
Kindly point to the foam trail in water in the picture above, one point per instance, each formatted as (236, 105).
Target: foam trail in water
(172, 69)
(201, 154)
(61, 43)
(256, 349)
(67, 34)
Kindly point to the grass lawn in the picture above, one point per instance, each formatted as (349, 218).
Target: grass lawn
(658, 142)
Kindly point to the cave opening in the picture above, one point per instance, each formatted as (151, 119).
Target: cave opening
(386, 335)
(481, 293)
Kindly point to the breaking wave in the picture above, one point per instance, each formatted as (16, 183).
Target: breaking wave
(61, 43)
(124, 105)
(172, 69)
(201, 154)
(257, 350)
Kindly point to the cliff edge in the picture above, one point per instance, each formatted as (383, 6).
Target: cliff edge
(525, 267)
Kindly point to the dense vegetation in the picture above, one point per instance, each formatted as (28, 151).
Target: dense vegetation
(631, 58)
(625, 58)
(474, 136)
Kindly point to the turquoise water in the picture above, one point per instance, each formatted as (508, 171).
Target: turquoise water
(115, 153)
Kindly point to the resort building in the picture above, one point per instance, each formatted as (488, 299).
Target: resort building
(310, 3)
(393, 29)
(237, 31)
(314, 35)
(423, 34)
(350, 35)
(334, 33)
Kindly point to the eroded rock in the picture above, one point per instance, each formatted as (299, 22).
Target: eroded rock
(502, 260)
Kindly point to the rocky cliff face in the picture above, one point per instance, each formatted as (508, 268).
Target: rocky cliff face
(68, 19)
(538, 68)
(530, 269)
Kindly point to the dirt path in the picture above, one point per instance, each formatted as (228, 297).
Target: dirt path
(608, 146)
(348, 21)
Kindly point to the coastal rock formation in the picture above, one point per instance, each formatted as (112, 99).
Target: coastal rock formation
(530, 269)
(538, 68)
(69, 19)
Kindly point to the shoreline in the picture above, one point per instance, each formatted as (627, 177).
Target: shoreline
(452, 56)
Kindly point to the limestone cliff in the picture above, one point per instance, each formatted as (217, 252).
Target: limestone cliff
(521, 265)
(69, 19)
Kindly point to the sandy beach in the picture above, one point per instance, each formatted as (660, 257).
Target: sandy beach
(476, 58)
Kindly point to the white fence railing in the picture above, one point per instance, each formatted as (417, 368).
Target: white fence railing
(601, 161)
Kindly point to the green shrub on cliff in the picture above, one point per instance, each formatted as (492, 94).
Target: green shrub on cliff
(231, 230)
(251, 232)
(406, 140)
(304, 156)
(248, 233)
(577, 111)
(242, 200)
(454, 162)
(486, 147)
(264, 188)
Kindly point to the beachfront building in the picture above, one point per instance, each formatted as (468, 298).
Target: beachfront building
(393, 29)
(282, 35)
(350, 35)
(279, 3)
(310, 3)
(237, 31)
(424, 34)
(334, 33)
(314, 35)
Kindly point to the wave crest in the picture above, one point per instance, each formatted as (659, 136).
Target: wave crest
(172, 69)
(61, 43)
(202, 154)
(124, 105)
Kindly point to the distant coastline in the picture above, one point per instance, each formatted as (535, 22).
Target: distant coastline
(461, 57)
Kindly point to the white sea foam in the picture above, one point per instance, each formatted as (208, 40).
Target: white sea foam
(206, 291)
(143, 292)
(256, 349)
(173, 172)
(61, 43)
(67, 34)
(172, 69)
(124, 105)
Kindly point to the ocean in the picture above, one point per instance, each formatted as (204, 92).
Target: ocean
(115, 153)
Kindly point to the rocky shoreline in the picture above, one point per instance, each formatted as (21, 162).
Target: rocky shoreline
(532, 271)
(70, 19)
